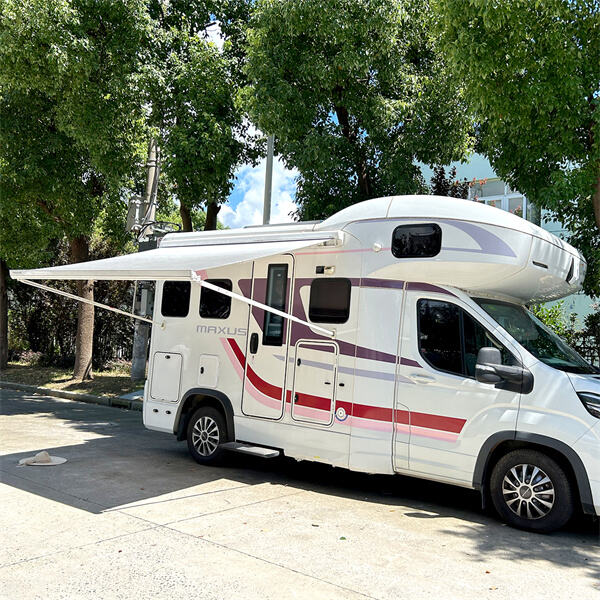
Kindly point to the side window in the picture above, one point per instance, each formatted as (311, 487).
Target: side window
(417, 241)
(214, 305)
(439, 335)
(329, 300)
(476, 337)
(175, 299)
(449, 338)
(275, 298)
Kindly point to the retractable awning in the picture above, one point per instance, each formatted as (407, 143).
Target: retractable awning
(173, 263)
(177, 263)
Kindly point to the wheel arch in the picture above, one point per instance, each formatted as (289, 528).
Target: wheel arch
(196, 397)
(500, 443)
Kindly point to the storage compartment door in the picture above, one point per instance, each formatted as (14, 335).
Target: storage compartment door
(315, 377)
(166, 375)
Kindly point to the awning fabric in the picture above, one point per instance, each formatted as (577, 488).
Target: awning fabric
(171, 263)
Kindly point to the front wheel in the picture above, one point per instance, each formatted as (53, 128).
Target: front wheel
(531, 491)
(206, 433)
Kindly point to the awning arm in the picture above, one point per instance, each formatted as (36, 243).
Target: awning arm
(92, 302)
(198, 279)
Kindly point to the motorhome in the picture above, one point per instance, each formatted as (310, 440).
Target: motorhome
(392, 337)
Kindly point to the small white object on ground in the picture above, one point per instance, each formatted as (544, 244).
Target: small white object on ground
(42, 459)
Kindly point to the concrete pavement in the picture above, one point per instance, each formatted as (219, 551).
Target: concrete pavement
(131, 515)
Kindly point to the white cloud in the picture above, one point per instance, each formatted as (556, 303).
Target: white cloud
(251, 185)
(214, 35)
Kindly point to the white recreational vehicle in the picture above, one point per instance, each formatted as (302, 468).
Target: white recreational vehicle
(390, 338)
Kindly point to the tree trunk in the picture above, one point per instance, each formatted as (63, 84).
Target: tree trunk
(3, 315)
(85, 315)
(364, 181)
(212, 210)
(596, 201)
(186, 217)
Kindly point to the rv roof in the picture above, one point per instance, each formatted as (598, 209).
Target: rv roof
(393, 207)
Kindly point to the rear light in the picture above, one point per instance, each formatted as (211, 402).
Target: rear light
(591, 402)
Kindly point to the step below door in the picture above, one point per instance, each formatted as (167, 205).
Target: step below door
(315, 374)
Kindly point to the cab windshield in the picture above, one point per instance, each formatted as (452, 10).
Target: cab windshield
(535, 337)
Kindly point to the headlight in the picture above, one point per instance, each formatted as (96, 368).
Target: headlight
(591, 401)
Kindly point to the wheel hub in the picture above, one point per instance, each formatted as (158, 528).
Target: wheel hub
(528, 491)
(205, 436)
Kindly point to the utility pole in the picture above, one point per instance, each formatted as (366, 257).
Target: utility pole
(268, 180)
(148, 213)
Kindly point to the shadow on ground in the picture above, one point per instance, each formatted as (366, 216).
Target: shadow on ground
(123, 463)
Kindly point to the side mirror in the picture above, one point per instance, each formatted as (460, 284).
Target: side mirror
(487, 361)
(489, 369)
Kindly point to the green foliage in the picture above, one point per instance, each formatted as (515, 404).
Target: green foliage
(441, 185)
(554, 317)
(586, 340)
(354, 92)
(203, 136)
(532, 72)
(71, 117)
(43, 325)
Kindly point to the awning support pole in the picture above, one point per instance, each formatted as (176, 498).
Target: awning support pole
(251, 302)
(86, 301)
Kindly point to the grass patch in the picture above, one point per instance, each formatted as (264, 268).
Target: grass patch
(105, 383)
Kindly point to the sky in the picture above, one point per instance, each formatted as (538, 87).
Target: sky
(245, 204)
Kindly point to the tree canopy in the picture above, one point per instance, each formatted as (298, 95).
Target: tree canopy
(532, 75)
(354, 92)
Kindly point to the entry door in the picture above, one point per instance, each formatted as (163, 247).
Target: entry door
(451, 414)
(315, 375)
(267, 345)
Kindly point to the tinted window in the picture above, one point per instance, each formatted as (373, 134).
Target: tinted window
(416, 241)
(214, 305)
(535, 337)
(275, 298)
(175, 299)
(450, 339)
(329, 300)
(439, 335)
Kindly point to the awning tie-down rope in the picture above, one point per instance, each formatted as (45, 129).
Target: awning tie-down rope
(195, 278)
(92, 302)
(198, 279)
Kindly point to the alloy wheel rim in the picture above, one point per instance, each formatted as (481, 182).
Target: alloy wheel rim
(205, 436)
(528, 491)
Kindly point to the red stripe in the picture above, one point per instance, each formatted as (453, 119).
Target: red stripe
(363, 411)
(237, 351)
(439, 422)
(313, 401)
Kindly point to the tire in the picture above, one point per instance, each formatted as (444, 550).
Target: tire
(206, 433)
(545, 505)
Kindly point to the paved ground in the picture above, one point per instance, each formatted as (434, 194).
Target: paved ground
(131, 516)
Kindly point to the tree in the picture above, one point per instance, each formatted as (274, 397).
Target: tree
(532, 72)
(441, 185)
(354, 92)
(72, 112)
(192, 96)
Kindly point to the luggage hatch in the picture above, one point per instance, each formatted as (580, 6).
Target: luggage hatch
(166, 375)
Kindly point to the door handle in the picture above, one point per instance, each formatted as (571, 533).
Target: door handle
(422, 378)
(254, 343)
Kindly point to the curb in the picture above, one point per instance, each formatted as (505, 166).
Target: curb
(88, 398)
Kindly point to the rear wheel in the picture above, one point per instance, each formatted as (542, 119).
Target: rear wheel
(531, 491)
(206, 433)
